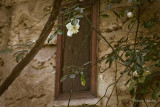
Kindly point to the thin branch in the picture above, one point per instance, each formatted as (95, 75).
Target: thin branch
(129, 32)
(107, 89)
(110, 95)
(116, 85)
(104, 70)
(138, 19)
(145, 101)
(157, 104)
(136, 104)
(79, 51)
(38, 21)
(71, 90)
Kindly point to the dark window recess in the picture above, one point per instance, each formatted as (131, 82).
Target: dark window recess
(72, 45)
(67, 52)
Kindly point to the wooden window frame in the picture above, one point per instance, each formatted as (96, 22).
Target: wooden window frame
(59, 55)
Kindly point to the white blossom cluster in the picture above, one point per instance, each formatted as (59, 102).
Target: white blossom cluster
(72, 29)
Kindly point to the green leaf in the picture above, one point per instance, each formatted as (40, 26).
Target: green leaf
(110, 63)
(129, 1)
(116, 13)
(105, 15)
(145, 45)
(156, 93)
(142, 60)
(74, 22)
(141, 80)
(18, 57)
(149, 23)
(127, 63)
(136, 67)
(132, 85)
(109, 6)
(59, 32)
(132, 93)
(81, 10)
(131, 88)
(109, 60)
(143, 91)
(51, 37)
(123, 72)
(63, 78)
(129, 53)
(24, 51)
(83, 81)
(72, 75)
(128, 81)
(129, 26)
(18, 52)
(77, 8)
(76, 71)
(123, 13)
(78, 16)
(5, 51)
(138, 60)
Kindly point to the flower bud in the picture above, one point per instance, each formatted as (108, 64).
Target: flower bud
(129, 14)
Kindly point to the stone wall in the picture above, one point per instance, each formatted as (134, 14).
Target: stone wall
(35, 86)
(113, 30)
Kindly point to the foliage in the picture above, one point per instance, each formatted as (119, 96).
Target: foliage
(140, 56)
(144, 60)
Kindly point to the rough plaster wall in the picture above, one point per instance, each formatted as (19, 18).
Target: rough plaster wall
(35, 86)
(112, 31)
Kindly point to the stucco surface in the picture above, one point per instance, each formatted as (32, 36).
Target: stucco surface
(35, 86)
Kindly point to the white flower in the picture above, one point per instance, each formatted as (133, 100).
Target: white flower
(135, 73)
(129, 14)
(72, 29)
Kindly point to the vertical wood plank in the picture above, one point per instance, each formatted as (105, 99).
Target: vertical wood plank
(94, 50)
(59, 54)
